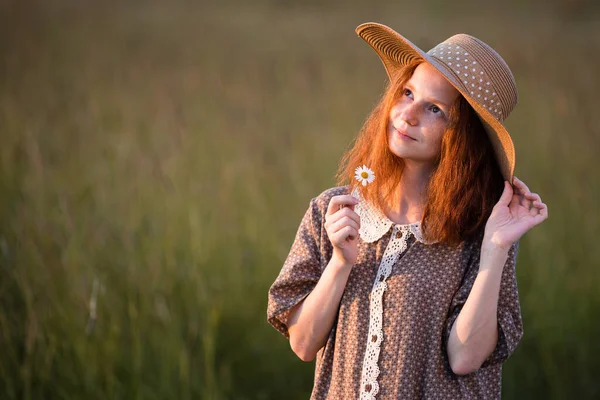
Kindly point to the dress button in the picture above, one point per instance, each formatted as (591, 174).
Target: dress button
(381, 278)
(374, 338)
(368, 387)
(398, 235)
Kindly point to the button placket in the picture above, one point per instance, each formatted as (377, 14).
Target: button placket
(396, 246)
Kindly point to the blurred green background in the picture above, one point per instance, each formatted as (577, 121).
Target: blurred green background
(156, 159)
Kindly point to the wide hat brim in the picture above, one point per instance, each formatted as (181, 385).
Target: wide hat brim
(395, 51)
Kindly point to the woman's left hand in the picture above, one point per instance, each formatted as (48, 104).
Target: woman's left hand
(517, 211)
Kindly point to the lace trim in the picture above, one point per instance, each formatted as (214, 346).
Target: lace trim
(397, 245)
(373, 226)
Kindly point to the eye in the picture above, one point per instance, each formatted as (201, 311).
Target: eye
(407, 92)
(435, 109)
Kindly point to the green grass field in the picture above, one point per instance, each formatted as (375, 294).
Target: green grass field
(156, 160)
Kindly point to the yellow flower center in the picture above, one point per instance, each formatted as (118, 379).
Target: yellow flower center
(364, 175)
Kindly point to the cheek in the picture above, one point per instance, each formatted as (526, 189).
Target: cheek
(397, 108)
(393, 114)
(436, 133)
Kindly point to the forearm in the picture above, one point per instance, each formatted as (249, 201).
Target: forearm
(310, 322)
(474, 334)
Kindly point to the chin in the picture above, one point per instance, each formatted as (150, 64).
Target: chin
(401, 152)
(411, 156)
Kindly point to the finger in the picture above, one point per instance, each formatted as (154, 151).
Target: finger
(534, 210)
(342, 223)
(539, 212)
(525, 202)
(522, 187)
(507, 195)
(515, 199)
(522, 190)
(337, 214)
(338, 202)
(352, 233)
(344, 212)
(346, 233)
(533, 197)
(542, 211)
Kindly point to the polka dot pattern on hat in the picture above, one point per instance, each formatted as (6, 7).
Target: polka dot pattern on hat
(471, 74)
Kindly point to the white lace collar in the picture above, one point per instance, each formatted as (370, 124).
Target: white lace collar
(374, 224)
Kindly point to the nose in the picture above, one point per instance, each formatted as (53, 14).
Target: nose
(410, 114)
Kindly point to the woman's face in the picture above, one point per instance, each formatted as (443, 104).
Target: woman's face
(419, 117)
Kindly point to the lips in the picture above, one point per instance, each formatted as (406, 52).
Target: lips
(402, 133)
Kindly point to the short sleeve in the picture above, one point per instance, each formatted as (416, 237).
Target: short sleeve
(302, 268)
(510, 324)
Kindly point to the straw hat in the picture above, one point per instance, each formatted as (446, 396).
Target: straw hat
(472, 67)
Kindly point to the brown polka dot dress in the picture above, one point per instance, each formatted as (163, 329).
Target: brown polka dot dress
(400, 302)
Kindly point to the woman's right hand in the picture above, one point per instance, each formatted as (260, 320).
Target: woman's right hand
(342, 225)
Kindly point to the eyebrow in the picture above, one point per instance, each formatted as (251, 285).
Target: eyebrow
(432, 101)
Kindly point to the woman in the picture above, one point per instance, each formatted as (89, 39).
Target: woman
(404, 286)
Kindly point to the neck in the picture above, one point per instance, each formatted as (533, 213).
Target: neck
(408, 201)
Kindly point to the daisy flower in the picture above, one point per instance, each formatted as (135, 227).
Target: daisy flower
(364, 175)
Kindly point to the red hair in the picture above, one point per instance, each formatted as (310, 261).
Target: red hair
(465, 184)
